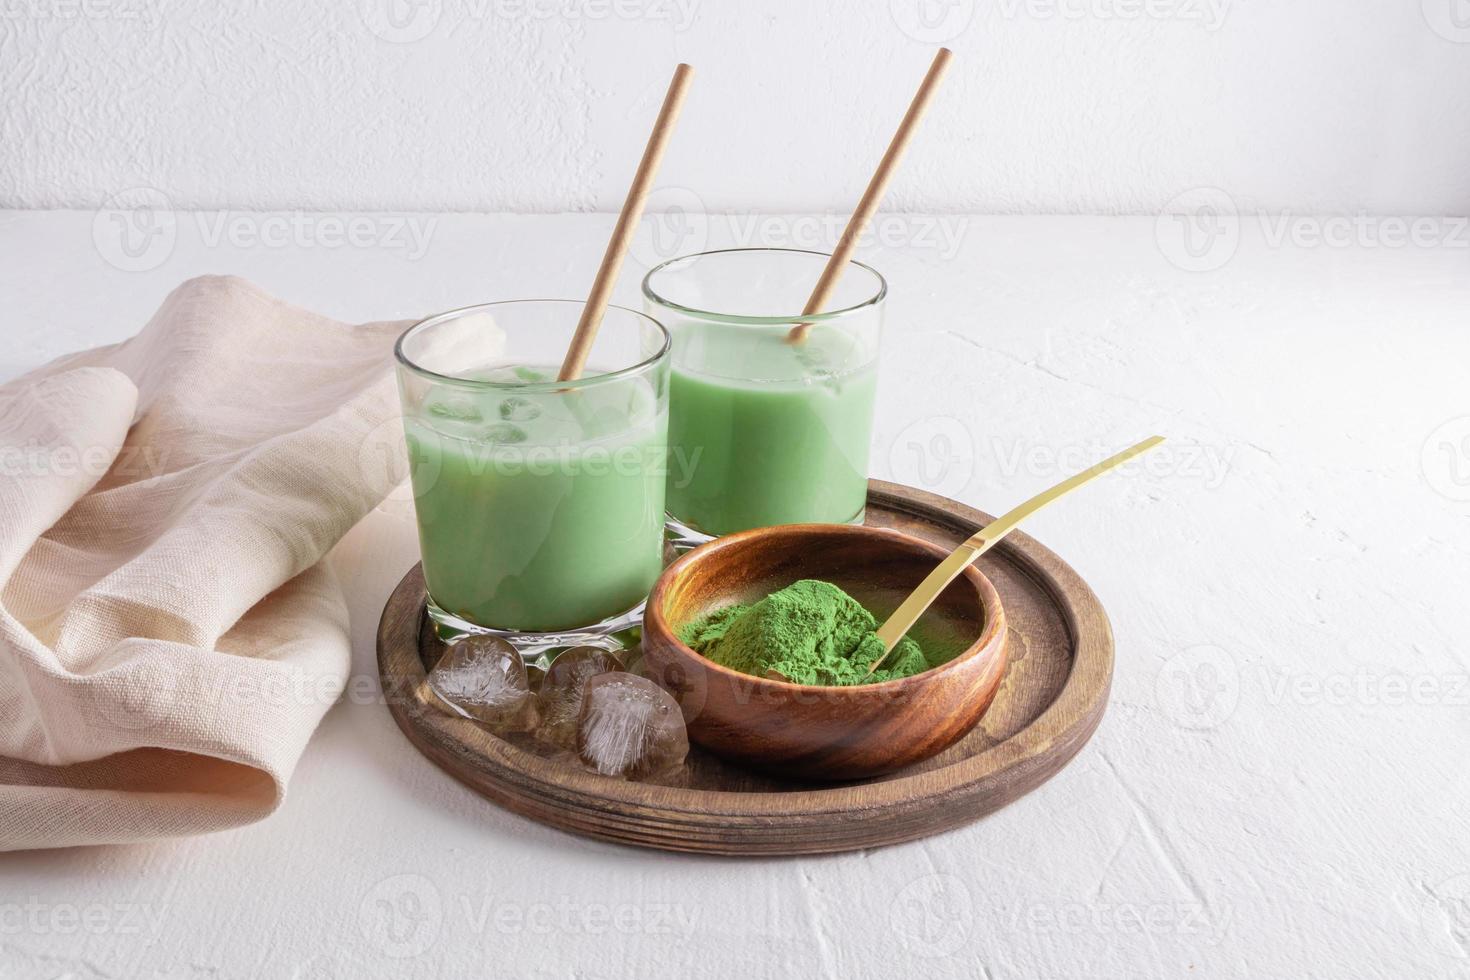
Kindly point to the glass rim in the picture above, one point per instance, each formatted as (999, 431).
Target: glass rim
(479, 383)
(650, 294)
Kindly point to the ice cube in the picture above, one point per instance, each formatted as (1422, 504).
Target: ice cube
(812, 358)
(505, 433)
(630, 727)
(458, 407)
(518, 409)
(560, 697)
(484, 678)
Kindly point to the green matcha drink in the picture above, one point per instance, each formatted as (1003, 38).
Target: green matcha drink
(783, 442)
(540, 504)
(763, 431)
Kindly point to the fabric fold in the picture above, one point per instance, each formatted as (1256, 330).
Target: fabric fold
(169, 634)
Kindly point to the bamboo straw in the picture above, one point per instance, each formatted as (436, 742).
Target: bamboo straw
(873, 196)
(623, 231)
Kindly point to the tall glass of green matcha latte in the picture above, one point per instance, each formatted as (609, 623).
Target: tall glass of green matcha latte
(540, 502)
(762, 430)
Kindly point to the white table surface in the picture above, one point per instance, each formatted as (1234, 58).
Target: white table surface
(1278, 787)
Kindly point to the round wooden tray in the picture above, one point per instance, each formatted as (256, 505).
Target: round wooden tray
(1050, 701)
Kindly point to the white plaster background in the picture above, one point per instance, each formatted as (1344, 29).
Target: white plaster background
(1112, 106)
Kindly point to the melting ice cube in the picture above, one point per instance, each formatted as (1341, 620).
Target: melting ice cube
(484, 678)
(630, 727)
(560, 695)
(454, 407)
(530, 374)
(518, 409)
(504, 433)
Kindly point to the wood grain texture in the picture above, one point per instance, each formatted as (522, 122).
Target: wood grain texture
(1050, 700)
(827, 733)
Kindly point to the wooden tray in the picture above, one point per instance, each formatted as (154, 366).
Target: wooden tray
(1050, 702)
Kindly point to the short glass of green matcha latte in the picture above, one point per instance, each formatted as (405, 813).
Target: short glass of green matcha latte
(540, 502)
(764, 431)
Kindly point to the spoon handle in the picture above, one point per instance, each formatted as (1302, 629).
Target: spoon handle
(913, 607)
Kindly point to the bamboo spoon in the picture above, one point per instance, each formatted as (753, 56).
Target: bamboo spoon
(913, 607)
(877, 186)
(628, 218)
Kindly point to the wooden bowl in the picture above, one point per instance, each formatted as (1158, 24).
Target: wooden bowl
(827, 732)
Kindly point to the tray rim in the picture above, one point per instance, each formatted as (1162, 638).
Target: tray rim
(1045, 745)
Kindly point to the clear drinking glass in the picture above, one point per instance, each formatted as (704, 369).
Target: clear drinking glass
(540, 502)
(763, 431)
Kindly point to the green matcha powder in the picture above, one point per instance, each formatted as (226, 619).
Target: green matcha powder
(810, 632)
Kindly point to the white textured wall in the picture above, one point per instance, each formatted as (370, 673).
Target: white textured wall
(540, 105)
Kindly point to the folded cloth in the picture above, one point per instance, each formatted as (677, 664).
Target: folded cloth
(169, 633)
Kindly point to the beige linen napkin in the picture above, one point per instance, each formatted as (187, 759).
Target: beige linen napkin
(169, 635)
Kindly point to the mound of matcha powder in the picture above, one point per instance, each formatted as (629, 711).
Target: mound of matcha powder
(811, 632)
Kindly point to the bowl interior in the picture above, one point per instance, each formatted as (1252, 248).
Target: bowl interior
(876, 567)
